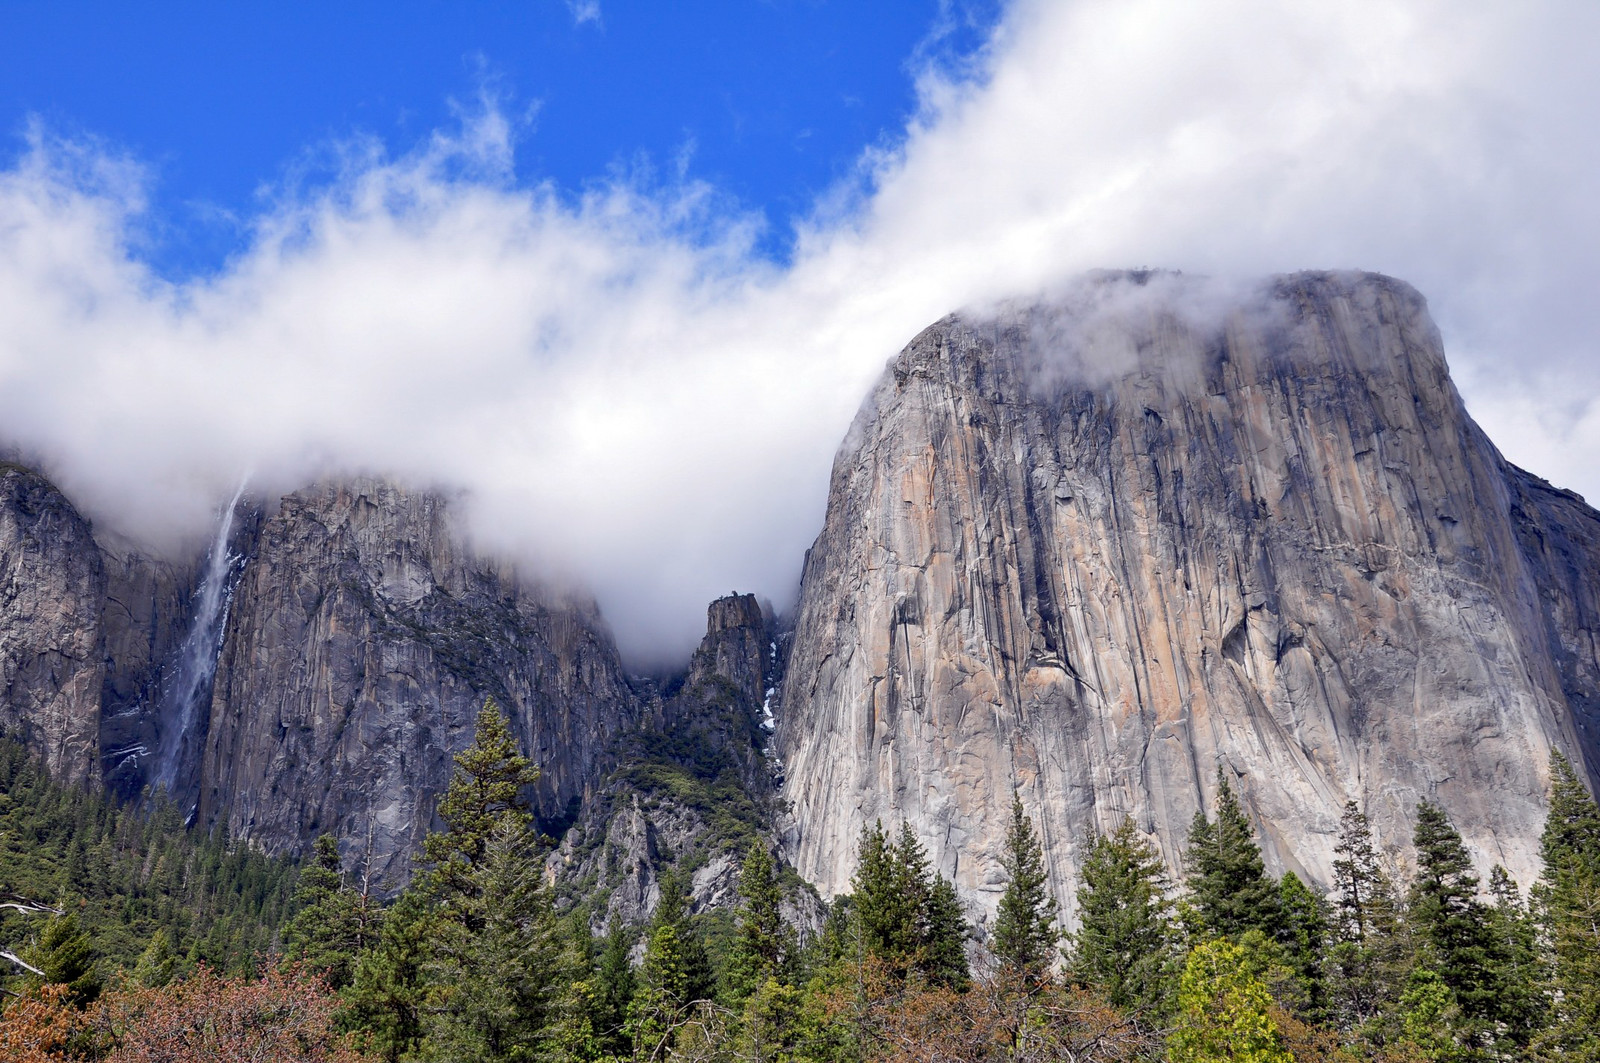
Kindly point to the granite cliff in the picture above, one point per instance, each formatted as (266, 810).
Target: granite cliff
(364, 635)
(1091, 550)
(1097, 550)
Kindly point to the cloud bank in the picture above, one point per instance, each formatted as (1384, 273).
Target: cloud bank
(626, 392)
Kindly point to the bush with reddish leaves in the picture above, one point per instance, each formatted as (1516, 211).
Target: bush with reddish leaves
(281, 1017)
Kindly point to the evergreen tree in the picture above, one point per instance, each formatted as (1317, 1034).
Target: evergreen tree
(1229, 884)
(883, 915)
(1451, 922)
(1568, 897)
(157, 963)
(385, 997)
(905, 916)
(487, 787)
(1025, 931)
(1429, 1019)
(495, 960)
(944, 948)
(1518, 973)
(66, 957)
(1368, 958)
(332, 923)
(1304, 938)
(763, 943)
(1365, 898)
(661, 994)
(614, 987)
(1124, 943)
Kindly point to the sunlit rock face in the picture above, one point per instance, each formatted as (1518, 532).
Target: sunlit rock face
(1096, 550)
(363, 636)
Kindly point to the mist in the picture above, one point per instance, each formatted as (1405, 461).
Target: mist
(622, 390)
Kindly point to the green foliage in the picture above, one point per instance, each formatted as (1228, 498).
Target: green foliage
(333, 923)
(1429, 1018)
(1225, 1013)
(906, 916)
(944, 950)
(613, 991)
(1369, 954)
(1025, 930)
(1451, 923)
(1304, 939)
(1568, 902)
(385, 999)
(157, 964)
(1229, 885)
(1519, 973)
(64, 955)
(129, 874)
(663, 992)
(764, 945)
(1124, 943)
(487, 787)
(495, 962)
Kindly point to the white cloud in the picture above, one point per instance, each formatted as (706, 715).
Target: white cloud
(584, 11)
(630, 394)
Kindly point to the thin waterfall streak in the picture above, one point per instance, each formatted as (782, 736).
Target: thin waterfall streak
(197, 657)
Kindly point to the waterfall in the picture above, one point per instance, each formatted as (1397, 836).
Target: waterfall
(196, 663)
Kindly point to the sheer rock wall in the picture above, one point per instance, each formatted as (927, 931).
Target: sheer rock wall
(1097, 550)
(364, 636)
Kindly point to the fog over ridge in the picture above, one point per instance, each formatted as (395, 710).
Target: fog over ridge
(625, 392)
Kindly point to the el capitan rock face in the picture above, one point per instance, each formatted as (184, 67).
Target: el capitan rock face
(1098, 550)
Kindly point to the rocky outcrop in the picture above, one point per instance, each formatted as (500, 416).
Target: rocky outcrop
(52, 582)
(363, 636)
(691, 788)
(1098, 550)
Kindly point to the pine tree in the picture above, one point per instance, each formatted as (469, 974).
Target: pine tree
(487, 787)
(614, 988)
(881, 911)
(495, 960)
(386, 995)
(1366, 903)
(157, 963)
(907, 917)
(662, 994)
(1025, 931)
(1304, 939)
(1568, 899)
(1451, 923)
(1518, 973)
(944, 946)
(763, 943)
(1124, 942)
(66, 957)
(332, 923)
(1229, 884)
(1368, 959)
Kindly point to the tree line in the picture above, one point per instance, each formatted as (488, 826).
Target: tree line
(477, 960)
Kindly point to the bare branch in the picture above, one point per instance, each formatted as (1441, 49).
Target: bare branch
(14, 958)
(26, 905)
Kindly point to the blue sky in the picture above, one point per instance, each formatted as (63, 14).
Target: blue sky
(772, 102)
